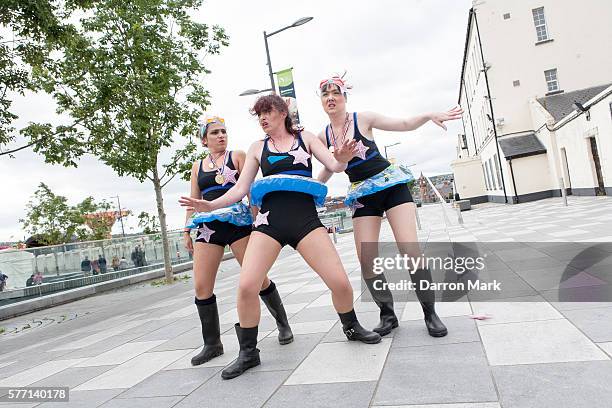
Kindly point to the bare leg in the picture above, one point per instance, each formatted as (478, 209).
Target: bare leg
(269, 295)
(206, 260)
(403, 223)
(259, 257)
(321, 255)
(367, 229)
(238, 249)
(319, 252)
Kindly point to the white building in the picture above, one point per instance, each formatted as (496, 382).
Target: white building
(525, 64)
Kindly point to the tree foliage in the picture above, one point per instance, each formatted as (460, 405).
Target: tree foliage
(149, 223)
(35, 29)
(54, 221)
(131, 77)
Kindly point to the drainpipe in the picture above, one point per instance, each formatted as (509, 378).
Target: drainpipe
(516, 198)
(484, 69)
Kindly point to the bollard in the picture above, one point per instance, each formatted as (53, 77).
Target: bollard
(459, 216)
(563, 192)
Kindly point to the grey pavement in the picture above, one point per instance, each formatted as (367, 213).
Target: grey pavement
(131, 347)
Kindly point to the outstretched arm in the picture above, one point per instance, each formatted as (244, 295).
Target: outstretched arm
(234, 194)
(377, 121)
(240, 158)
(324, 174)
(333, 162)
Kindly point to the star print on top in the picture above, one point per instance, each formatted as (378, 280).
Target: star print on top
(361, 150)
(229, 175)
(300, 156)
(262, 219)
(205, 233)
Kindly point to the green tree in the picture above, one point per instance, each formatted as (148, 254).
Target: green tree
(149, 223)
(132, 79)
(35, 29)
(54, 221)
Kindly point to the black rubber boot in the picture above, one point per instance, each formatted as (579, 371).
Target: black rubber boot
(273, 302)
(384, 300)
(354, 331)
(209, 318)
(427, 298)
(248, 357)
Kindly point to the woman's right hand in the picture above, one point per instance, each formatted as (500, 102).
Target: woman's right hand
(195, 204)
(188, 242)
(346, 151)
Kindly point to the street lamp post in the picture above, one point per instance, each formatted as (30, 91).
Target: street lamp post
(120, 215)
(393, 144)
(272, 88)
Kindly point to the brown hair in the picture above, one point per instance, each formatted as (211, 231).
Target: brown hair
(265, 104)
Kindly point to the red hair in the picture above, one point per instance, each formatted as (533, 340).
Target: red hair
(265, 104)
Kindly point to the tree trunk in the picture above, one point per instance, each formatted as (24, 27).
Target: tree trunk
(162, 223)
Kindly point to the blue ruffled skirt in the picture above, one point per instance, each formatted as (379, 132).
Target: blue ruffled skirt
(389, 177)
(237, 214)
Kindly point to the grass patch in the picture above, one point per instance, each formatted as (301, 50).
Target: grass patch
(163, 281)
(2, 330)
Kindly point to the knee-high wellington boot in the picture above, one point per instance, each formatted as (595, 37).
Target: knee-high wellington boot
(427, 298)
(354, 331)
(209, 318)
(384, 300)
(248, 356)
(273, 302)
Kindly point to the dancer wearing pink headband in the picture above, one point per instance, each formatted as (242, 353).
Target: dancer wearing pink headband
(377, 188)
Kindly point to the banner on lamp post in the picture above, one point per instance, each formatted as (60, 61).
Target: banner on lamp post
(286, 90)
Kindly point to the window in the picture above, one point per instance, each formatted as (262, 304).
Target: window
(507, 16)
(540, 24)
(551, 80)
(516, 83)
(496, 161)
(490, 167)
(486, 176)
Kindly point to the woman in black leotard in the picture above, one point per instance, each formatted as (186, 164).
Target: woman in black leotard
(285, 217)
(394, 200)
(211, 178)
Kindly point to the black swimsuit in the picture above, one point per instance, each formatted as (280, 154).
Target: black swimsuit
(360, 169)
(289, 216)
(224, 233)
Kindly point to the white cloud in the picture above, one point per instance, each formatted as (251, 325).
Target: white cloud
(402, 57)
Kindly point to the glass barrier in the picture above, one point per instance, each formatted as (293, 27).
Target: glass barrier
(37, 271)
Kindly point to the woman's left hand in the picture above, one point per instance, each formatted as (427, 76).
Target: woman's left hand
(440, 117)
(195, 204)
(346, 150)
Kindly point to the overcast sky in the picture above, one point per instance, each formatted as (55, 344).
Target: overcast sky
(403, 58)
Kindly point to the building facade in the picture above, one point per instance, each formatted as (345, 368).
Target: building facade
(525, 65)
